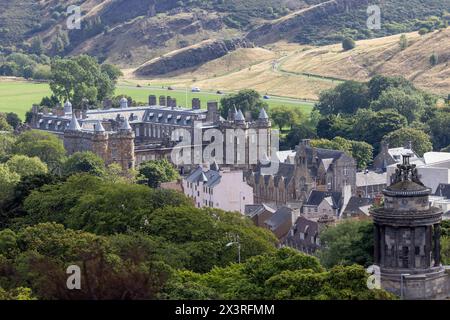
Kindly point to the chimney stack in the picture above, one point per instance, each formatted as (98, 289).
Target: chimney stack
(152, 100)
(162, 101)
(196, 104)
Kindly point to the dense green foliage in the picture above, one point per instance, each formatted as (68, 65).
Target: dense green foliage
(248, 101)
(397, 16)
(80, 78)
(156, 172)
(285, 274)
(84, 162)
(384, 106)
(41, 144)
(347, 243)
(362, 152)
(421, 142)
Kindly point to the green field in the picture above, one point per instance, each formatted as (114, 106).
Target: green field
(18, 96)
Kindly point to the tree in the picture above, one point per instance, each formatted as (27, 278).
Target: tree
(37, 46)
(4, 125)
(363, 153)
(284, 274)
(47, 249)
(84, 162)
(286, 116)
(80, 78)
(89, 203)
(434, 59)
(403, 42)
(439, 125)
(379, 84)
(6, 145)
(8, 181)
(13, 208)
(296, 135)
(346, 98)
(112, 71)
(371, 126)
(158, 171)
(348, 44)
(13, 120)
(26, 166)
(46, 146)
(248, 101)
(420, 140)
(347, 243)
(410, 104)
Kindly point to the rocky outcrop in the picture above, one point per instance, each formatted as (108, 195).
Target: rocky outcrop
(285, 28)
(191, 57)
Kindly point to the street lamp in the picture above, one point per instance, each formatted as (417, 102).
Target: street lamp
(401, 284)
(238, 243)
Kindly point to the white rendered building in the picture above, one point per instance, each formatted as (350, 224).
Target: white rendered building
(221, 189)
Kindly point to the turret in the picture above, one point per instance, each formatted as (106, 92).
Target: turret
(74, 125)
(125, 125)
(239, 117)
(123, 103)
(67, 108)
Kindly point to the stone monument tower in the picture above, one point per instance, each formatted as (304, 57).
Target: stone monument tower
(407, 239)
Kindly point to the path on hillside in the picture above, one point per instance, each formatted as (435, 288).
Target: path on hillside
(277, 67)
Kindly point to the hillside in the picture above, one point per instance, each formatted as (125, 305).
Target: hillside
(297, 71)
(133, 32)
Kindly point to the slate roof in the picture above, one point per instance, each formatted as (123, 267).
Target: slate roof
(443, 190)
(252, 210)
(356, 206)
(316, 197)
(210, 178)
(280, 216)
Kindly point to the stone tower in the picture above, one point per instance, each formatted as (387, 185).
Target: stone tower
(123, 146)
(407, 239)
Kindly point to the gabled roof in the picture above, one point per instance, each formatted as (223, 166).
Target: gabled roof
(256, 209)
(209, 178)
(443, 190)
(316, 197)
(357, 206)
(326, 163)
(280, 216)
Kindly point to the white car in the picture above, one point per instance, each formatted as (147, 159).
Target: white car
(196, 89)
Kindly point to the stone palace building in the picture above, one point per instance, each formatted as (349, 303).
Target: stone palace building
(132, 135)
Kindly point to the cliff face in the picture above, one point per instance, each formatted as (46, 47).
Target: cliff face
(191, 57)
(286, 27)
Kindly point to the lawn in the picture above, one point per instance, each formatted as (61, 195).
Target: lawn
(18, 96)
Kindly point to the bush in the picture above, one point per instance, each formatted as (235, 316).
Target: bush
(348, 44)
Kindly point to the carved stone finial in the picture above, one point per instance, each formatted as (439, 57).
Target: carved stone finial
(406, 172)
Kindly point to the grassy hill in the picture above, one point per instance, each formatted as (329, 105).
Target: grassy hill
(297, 71)
(131, 32)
